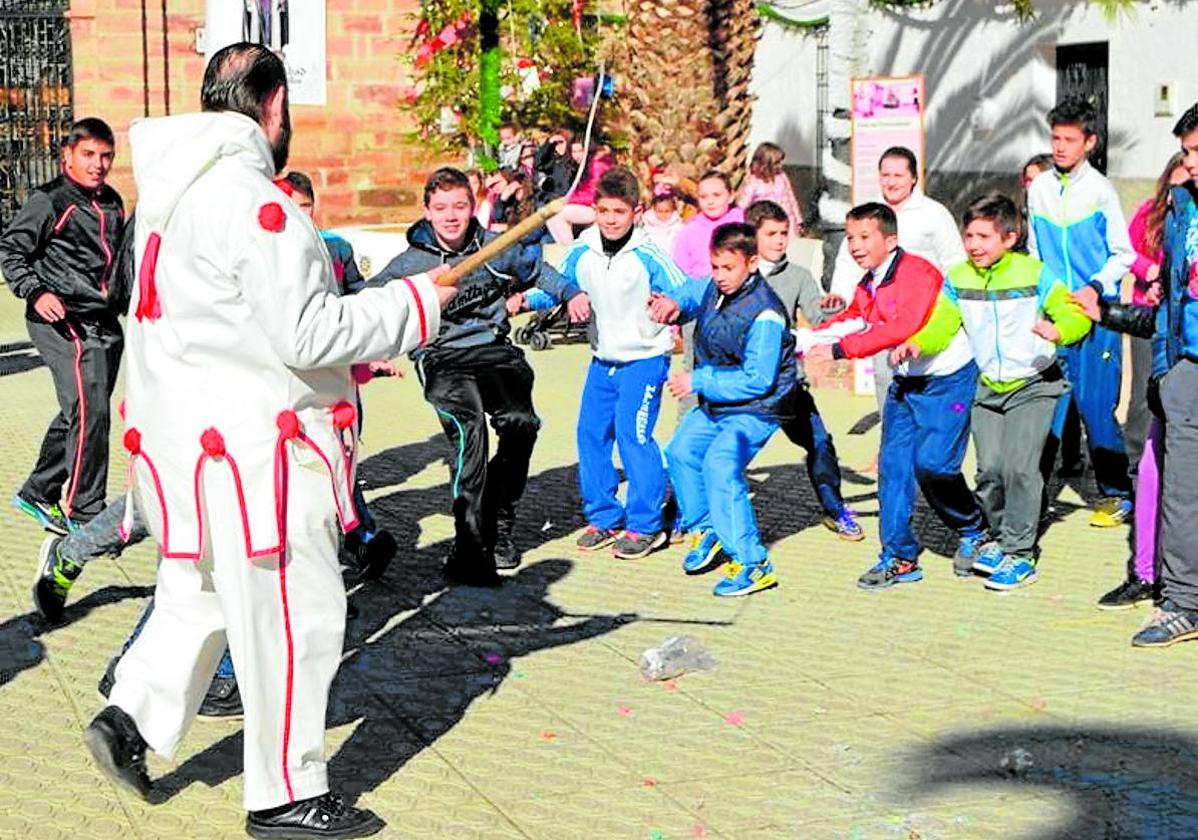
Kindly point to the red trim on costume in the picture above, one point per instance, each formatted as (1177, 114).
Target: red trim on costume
(158, 492)
(419, 310)
(147, 290)
(281, 487)
(81, 420)
(62, 220)
(107, 251)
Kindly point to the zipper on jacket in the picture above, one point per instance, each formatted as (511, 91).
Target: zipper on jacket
(104, 247)
(997, 322)
(1065, 231)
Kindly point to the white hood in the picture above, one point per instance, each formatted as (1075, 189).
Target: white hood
(170, 153)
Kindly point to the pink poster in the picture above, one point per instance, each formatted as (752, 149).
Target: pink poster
(887, 111)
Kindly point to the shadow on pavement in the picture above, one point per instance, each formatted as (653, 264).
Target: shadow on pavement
(21, 644)
(1119, 781)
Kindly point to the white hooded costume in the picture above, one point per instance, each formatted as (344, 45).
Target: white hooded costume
(239, 409)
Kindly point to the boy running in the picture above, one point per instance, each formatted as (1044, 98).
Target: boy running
(1015, 312)
(744, 374)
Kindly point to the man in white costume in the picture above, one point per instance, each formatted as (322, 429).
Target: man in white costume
(926, 228)
(239, 409)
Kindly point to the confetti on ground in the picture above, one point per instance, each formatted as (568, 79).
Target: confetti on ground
(963, 629)
(735, 718)
(1039, 703)
(548, 735)
(624, 711)
(649, 781)
(698, 830)
(546, 526)
(1058, 599)
(518, 675)
(670, 685)
(494, 658)
(657, 835)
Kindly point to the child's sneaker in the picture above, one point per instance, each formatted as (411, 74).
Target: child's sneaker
(1130, 593)
(890, 570)
(633, 546)
(677, 536)
(845, 526)
(988, 559)
(968, 550)
(55, 576)
(705, 545)
(49, 516)
(1111, 512)
(593, 538)
(1168, 625)
(745, 580)
(1013, 572)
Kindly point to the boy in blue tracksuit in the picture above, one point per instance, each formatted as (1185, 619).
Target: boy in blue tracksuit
(744, 377)
(618, 268)
(1076, 228)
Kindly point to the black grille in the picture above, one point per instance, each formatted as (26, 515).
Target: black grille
(36, 96)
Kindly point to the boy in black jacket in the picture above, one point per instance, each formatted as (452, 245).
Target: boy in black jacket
(59, 255)
(472, 369)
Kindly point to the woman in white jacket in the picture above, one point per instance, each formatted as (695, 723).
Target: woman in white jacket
(240, 418)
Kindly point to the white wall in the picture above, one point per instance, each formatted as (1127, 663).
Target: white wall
(991, 79)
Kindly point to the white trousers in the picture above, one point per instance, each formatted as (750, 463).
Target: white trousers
(284, 626)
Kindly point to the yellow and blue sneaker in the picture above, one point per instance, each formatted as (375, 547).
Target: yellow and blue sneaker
(1014, 571)
(1111, 512)
(47, 514)
(745, 580)
(705, 545)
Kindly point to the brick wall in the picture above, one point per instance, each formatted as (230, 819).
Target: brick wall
(357, 147)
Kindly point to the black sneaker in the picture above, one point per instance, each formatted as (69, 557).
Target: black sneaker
(47, 514)
(1130, 593)
(223, 700)
(119, 750)
(1169, 625)
(320, 816)
(593, 538)
(633, 546)
(109, 679)
(507, 556)
(54, 579)
(888, 571)
(370, 552)
(470, 574)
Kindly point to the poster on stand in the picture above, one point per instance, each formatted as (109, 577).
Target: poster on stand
(295, 29)
(887, 111)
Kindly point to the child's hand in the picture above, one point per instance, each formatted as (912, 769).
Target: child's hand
(515, 304)
(1088, 303)
(1047, 330)
(385, 369)
(832, 302)
(662, 309)
(49, 306)
(906, 350)
(679, 384)
(579, 308)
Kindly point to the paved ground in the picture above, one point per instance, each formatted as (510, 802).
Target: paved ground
(936, 711)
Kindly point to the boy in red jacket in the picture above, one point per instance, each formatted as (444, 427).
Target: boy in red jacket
(926, 428)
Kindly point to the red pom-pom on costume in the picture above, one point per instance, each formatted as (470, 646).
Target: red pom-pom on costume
(272, 217)
(289, 424)
(361, 373)
(132, 441)
(213, 443)
(344, 415)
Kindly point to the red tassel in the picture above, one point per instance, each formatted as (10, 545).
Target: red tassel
(289, 424)
(344, 415)
(147, 289)
(213, 443)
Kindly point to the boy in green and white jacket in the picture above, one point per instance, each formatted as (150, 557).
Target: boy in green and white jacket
(1015, 312)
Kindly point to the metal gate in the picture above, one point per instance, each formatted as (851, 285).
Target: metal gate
(1082, 71)
(36, 96)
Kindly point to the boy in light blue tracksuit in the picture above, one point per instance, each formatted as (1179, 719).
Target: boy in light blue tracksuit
(744, 377)
(618, 268)
(1076, 228)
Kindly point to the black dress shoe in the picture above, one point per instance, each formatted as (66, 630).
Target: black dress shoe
(223, 700)
(369, 558)
(321, 816)
(119, 750)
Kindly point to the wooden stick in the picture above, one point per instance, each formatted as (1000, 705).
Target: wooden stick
(505, 240)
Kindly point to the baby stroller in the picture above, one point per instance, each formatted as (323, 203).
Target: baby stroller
(546, 325)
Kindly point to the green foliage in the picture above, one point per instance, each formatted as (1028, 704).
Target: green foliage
(540, 31)
(1027, 8)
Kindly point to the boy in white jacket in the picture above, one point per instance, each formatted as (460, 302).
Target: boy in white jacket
(618, 269)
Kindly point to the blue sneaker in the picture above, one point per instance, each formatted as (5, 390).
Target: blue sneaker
(49, 516)
(890, 570)
(1012, 573)
(989, 558)
(705, 545)
(968, 550)
(845, 526)
(745, 580)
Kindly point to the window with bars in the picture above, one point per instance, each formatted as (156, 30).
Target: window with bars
(36, 96)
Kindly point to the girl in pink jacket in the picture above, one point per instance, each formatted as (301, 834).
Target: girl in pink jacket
(692, 248)
(767, 182)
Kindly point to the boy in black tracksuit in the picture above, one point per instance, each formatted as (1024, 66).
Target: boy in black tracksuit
(59, 254)
(472, 369)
